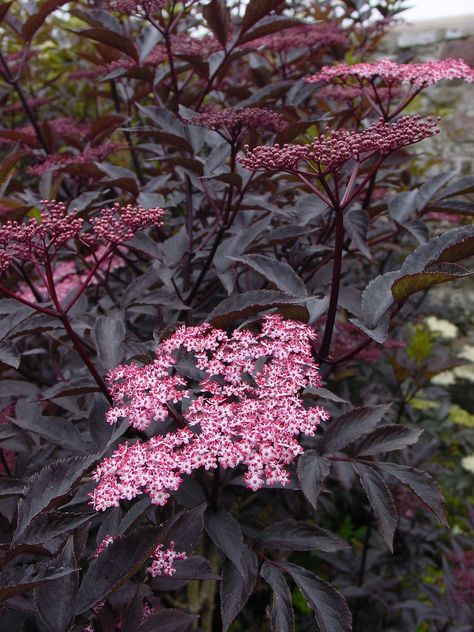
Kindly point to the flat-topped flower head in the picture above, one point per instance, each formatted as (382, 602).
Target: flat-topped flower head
(244, 407)
(319, 35)
(56, 162)
(329, 152)
(120, 223)
(417, 74)
(235, 121)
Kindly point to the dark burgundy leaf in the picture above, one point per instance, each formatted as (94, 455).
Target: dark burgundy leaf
(217, 18)
(225, 532)
(52, 524)
(330, 608)
(50, 486)
(380, 499)
(421, 484)
(18, 579)
(255, 11)
(351, 426)
(312, 472)
(279, 273)
(168, 620)
(237, 585)
(266, 26)
(36, 21)
(387, 438)
(116, 41)
(293, 535)
(108, 334)
(280, 613)
(54, 600)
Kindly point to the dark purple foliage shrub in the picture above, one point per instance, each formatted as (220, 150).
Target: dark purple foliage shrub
(214, 233)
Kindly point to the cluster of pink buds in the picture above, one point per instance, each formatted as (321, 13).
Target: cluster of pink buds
(38, 241)
(133, 7)
(331, 150)
(318, 35)
(57, 162)
(163, 560)
(246, 408)
(389, 72)
(234, 121)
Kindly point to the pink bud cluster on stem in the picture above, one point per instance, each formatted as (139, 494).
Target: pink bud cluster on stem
(245, 408)
(236, 121)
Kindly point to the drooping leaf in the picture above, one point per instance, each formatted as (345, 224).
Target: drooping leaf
(279, 273)
(237, 585)
(409, 284)
(312, 472)
(293, 535)
(119, 561)
(421, 484)
(116, 41)
(217, 18)
(54, 601)
(225, 532)
(266, 26)
(36, 21)
(330, 608)
(387, 438)
(15, 580)
(48, 487)
(52, 524)
(356, 223)
(280, 613)
(256, 11)
(108, 334)
(350, 426)
(380, 499)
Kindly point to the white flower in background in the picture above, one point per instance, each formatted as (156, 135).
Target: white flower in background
(441, 327)
(446, 378)
(467, 352)
(468, 463)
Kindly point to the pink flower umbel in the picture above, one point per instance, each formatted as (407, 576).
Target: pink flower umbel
(302, 36)
(244, 407)
(163, 560)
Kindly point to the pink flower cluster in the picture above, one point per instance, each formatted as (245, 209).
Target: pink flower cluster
(65, 126)
(333, 149)
(163, 560)
(245, 409)
(419, 75)
(38, 241)
(301, 36)
(131, 7)
(55, 162)
(234, 121)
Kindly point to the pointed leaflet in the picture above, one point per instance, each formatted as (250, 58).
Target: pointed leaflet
(114, 40)
(330, 608)
(421, 484)
(217, 18)
(351, 426)
(280, 612)
(236, 586)
(36, 21)
(312, 472)
(255, 11)
(409, 284)
(291, 535)
(18, 579)
(380, 499)
(279, 273)
(53, 483)
(168, 620)
(52, 524)
(119, 561)
(108, 334)
(252, 302)
(54, 601)
(387, 438)
(225, 532)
